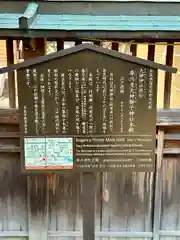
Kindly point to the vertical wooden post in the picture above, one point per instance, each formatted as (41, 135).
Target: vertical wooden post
(151, 52)
(158, 184)
(11, 75)
(88, 193)
(29, 52)
(60, 44)
(133, 49)
(168, 76)
(78, 41)
(98, 43)
(115, 46)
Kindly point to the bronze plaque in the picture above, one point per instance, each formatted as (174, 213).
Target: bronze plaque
(88, 111)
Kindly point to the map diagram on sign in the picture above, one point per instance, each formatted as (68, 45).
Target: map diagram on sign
(48, 153)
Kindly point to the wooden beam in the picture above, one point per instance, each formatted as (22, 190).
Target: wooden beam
(29, 16)
(11, 75)
(151, 52)
(133, 49)
(60, 44)
(143, 36)
(168, 76)
(115, 46)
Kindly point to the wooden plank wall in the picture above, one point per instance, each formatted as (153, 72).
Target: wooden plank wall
(39, 206)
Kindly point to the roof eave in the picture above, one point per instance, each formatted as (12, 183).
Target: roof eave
(90, 47)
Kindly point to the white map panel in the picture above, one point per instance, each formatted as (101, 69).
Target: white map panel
(48, 153)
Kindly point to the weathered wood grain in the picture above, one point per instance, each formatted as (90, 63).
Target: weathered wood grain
(171, 194)
(128, 206)
(13, 214)
(38, 207)
(64, 203)
(169, 117)
(98, 202)
(9, 116)
(158, 185)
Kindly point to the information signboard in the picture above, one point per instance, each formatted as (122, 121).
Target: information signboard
(48, 153)
(88, 111)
